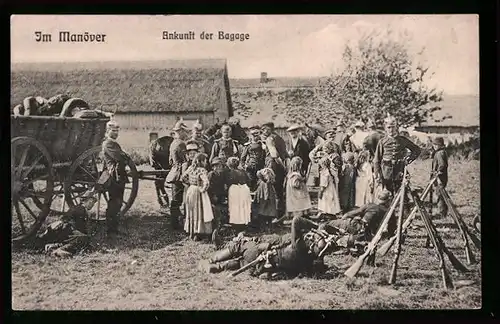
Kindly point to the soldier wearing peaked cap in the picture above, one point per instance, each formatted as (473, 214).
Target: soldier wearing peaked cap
(115, 161)
(225, 147)
(177, 158)
(253, 156)
(392, 153)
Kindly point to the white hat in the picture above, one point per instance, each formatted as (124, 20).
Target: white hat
(179, 125)
(293, 128)
(359, 123)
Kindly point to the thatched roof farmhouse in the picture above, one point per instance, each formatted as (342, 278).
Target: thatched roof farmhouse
(145, 95)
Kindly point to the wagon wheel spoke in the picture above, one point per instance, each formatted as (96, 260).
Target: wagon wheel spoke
(86, 171)
(32, 166)
(28, 209)
(105, 195)
(95, 164)
(23, 160)
(19, 216)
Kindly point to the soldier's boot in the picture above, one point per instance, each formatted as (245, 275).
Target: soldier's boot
(221, 255)
(207, 267)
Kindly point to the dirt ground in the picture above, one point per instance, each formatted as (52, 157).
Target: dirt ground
(154, 268)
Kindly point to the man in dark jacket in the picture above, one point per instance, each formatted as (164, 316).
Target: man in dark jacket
(293, 255)
(115, 161)
(298, 146)
(177, 158)
(371, 141)
(392, 153)
(440, 168)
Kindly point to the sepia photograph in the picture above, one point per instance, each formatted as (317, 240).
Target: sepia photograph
(245, 162)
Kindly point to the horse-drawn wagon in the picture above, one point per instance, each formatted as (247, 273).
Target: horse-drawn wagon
(56, 157)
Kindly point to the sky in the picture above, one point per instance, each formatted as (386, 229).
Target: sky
(281, 45)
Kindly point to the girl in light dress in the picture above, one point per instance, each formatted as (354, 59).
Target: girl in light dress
(265, 198)
(328, 198)
(298, 201)
(364, 180)
(198, 208)
(239, 199)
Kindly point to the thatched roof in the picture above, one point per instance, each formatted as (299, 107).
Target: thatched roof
(146, 86)
(280, 82)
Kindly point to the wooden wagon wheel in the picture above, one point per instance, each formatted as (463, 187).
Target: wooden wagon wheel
(83, 175)
(32, 186)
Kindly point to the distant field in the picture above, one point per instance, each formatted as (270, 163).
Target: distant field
(155, 269)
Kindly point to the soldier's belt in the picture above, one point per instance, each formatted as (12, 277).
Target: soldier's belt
(394, 161)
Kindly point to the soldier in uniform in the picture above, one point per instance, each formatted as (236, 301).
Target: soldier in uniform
(67, 236)
(391, 155)
(371, 215)
(177, 158)
(440, 168)
(115, 161)
(296, 253)
(253, 156)
(225, 147)
(199, 138)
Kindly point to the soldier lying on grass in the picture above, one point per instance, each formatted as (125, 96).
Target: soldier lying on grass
(300, 252)
(67, 236)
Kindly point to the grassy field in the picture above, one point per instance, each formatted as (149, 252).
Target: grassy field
(154, 268)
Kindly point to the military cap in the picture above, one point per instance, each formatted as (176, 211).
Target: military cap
(191, 146)
(339, 123)
(293, 128)
(179, 125)
(390, 120)
(268, 124)
(197, 125)
(254, 130)
(370, 124)
(438, 141)
(329, 131)
(112, 124)
(384, 195)
(359, 123)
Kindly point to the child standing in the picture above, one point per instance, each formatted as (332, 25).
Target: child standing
(265, 197)
(298, 201)
(347, 181)
(191, 150)
(364, 180)
(328, 196)
(217, 191)
(199, 213)
(239, 199)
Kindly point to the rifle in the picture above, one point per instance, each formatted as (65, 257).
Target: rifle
(262, 257)
(437, 246)
(399, 234)
(387, 245)
(461, 226)
(453, 260)
(431, 205)
(354, 269)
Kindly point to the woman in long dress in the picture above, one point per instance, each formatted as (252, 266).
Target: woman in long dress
(199, 213)
(364, 180)
(239, 199)
(347, 182)
(328, 202)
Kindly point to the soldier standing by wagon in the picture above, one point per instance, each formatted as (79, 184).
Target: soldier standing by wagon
(253, 156)
(177, 158)
(391, 156)
(115, 175)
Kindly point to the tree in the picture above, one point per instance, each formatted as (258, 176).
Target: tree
(379, 76)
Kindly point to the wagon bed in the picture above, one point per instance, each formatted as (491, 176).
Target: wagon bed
(54, 157)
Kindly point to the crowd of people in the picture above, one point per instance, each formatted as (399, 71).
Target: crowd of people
(266, 182)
